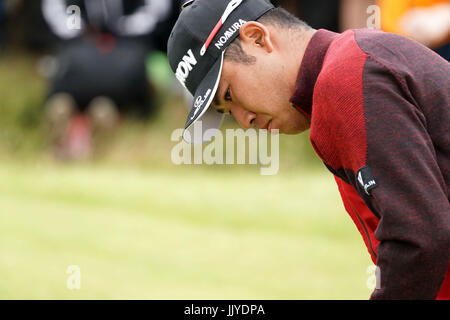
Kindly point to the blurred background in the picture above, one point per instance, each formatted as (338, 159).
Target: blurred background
(87, 108)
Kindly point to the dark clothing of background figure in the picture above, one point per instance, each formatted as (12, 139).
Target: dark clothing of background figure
(2, 21)
(444, 51)
(86, 73)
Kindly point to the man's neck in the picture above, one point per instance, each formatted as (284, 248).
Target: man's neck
(296, 43)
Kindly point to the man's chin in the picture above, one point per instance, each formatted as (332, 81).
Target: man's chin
(292, 131)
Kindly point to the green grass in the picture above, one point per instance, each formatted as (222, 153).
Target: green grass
(21, 106)
(176, 234)
(140, 227)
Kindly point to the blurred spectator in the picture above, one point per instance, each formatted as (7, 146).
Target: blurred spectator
(336, 15)
(318, 13)
(426, 21)
(101, 65)
(2, 24)
(353, 14)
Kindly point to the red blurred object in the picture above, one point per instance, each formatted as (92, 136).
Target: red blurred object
(105, 43)
(78, 139)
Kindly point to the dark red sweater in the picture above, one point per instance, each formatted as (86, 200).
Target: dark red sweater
(379, 106)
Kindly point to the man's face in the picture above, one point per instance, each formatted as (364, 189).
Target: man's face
(258, 94)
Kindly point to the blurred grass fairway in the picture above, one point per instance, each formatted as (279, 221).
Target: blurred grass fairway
(139, 227)
(166, 235)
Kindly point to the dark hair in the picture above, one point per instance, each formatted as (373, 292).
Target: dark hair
(278, 17)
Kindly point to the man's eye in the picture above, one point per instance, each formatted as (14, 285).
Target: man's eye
(227, 96)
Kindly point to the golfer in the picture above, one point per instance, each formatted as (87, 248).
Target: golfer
(378, 109)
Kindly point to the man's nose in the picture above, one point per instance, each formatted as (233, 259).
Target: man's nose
(245, 118)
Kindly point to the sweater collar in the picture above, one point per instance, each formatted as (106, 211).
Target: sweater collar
(309, 70)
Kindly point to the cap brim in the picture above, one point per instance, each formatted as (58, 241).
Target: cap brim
(201, 117)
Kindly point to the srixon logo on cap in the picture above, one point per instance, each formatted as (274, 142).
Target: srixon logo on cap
(185, 67)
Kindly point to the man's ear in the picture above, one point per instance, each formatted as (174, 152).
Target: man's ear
(256, 34)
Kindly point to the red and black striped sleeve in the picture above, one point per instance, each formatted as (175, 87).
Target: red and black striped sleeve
(411, 195)
(407, 123)
(388, 113)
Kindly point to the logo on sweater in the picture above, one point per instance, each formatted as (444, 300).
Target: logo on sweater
(366, 180)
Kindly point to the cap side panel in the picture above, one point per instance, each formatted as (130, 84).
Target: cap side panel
(210, 97)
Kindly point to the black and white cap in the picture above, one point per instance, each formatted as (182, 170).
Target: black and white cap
(196, 49)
